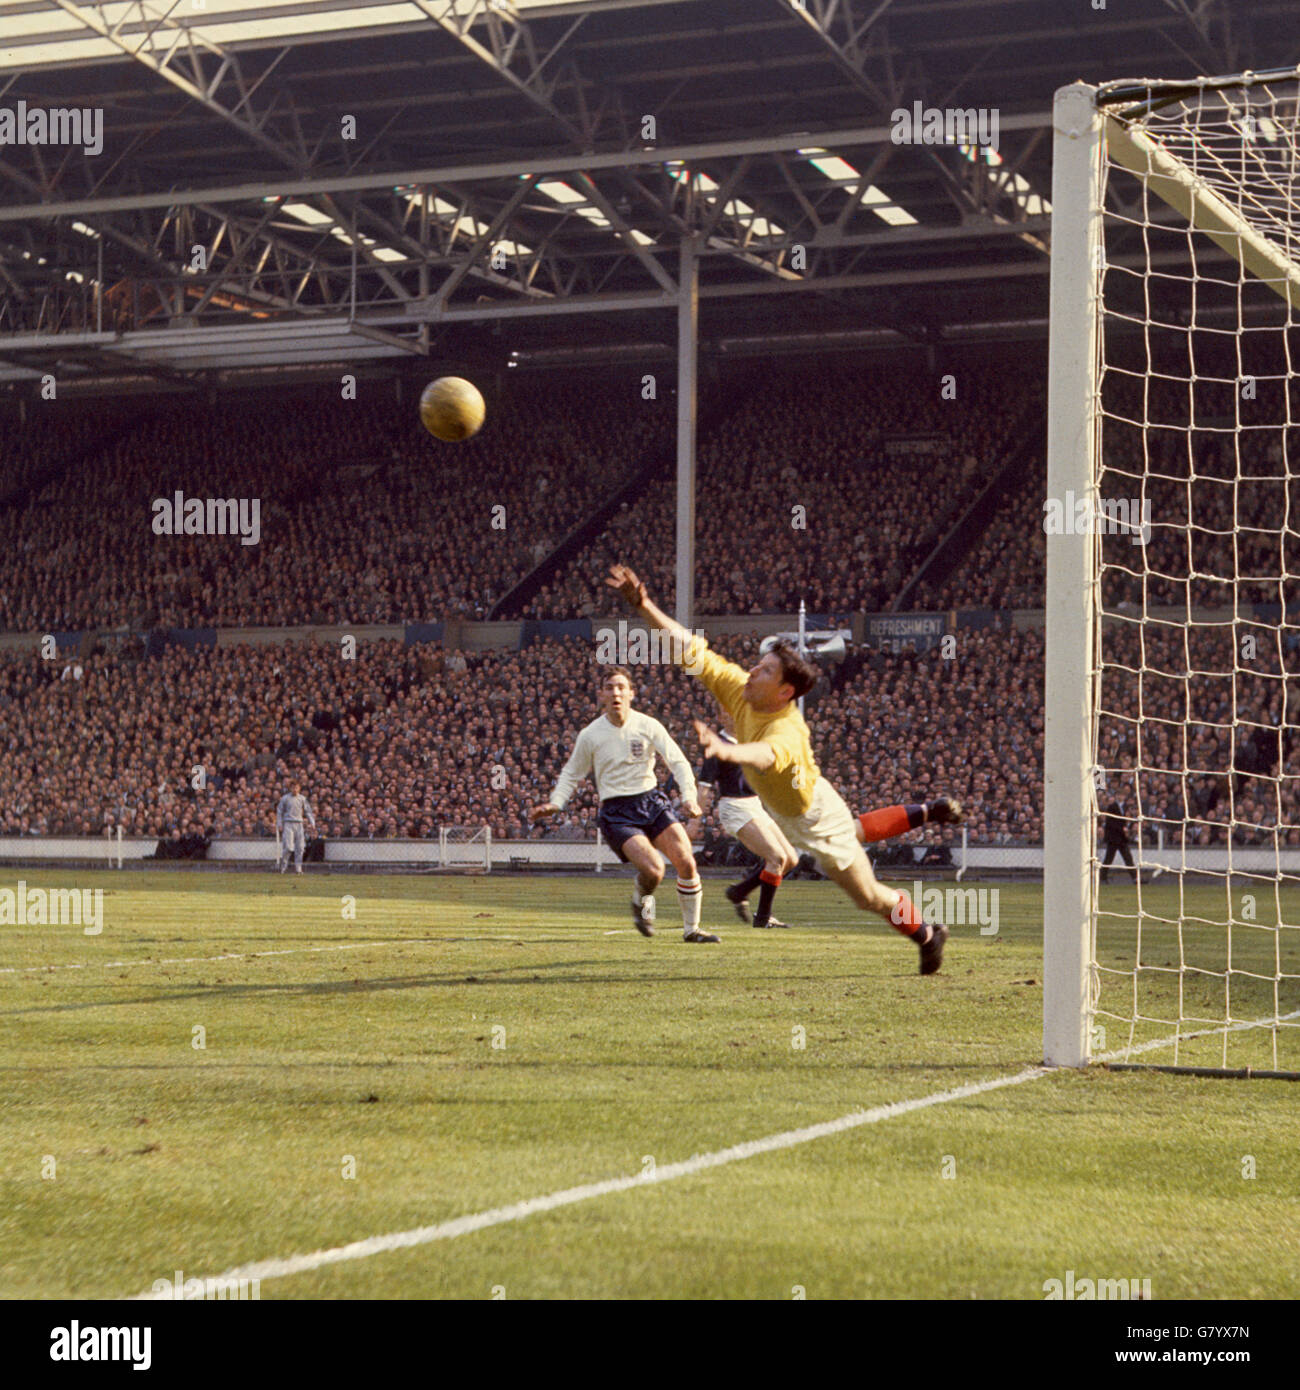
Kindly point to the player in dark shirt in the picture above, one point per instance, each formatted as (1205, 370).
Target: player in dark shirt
(741, 815)
(1114, 830)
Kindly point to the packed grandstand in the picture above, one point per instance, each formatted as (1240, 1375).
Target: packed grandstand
(827, 484)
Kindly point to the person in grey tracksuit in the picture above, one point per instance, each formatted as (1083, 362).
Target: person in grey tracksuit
(288, 826)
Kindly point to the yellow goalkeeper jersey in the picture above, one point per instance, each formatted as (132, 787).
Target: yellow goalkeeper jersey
(787, 786)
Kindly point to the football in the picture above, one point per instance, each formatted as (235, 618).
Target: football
(452, 409)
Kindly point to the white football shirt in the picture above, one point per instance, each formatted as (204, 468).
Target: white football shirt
(623, 760)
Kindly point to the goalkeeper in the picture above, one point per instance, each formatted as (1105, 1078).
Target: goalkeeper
(741, 815)
(775, 752)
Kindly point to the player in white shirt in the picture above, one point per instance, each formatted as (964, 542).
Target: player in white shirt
(637, 819)
(293, 805)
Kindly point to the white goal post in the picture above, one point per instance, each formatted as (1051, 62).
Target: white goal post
(1173, 613)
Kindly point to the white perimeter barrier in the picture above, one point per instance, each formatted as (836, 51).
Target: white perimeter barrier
(596, 855)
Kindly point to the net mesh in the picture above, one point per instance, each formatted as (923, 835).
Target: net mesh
(466, 847)
(1197, 534)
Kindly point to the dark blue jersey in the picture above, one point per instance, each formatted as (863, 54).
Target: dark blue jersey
(725, 778)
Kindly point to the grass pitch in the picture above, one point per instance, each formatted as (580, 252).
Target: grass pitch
(234, 1071)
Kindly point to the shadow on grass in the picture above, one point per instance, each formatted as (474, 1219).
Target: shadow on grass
(513, 975)
(505, 975)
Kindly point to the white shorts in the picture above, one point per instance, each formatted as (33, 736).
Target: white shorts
(736, 812)
(826, 829)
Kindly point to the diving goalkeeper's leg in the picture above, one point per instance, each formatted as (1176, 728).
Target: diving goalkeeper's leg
(826, 830)
(889, 821)
(895, 906)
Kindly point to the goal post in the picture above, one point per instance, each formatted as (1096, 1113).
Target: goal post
(1173, 574)
(1072, 456)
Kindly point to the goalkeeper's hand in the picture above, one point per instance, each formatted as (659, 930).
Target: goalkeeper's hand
(631, 589)
(710, 744)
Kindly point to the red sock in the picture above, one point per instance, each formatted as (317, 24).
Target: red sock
(906, 918)
(890, 821)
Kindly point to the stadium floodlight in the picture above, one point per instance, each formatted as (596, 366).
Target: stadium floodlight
(1173, 575)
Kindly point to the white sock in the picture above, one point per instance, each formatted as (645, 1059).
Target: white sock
(690, 894)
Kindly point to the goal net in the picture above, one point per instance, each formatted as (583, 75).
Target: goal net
(1173, 606)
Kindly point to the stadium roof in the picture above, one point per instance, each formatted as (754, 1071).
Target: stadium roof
(390, 177)
(51, 34)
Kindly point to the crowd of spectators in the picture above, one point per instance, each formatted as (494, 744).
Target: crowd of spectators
(179, 744)
(807, 491)
(1201, 731)
(363, 518)
(1006, 564)
(908, 726)
(1212, 497)
(403, 740)
(826, 485)
(44, 438)
(829, 485)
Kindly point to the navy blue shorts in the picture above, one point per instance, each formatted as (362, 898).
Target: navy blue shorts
(647, 813)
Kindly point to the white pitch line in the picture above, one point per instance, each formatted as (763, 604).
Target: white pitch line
(787, 1139)
(204, 960)
(1120, 1054)
(464, 1225)
(292, 951)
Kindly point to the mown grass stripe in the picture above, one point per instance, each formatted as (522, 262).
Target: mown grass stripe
(787, 1139)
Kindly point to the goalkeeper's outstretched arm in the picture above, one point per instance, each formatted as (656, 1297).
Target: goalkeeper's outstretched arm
(633, 592)
(725, 679)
